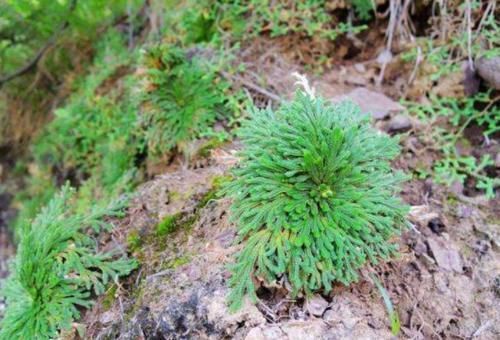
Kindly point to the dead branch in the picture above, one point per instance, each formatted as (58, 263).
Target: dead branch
(252, 86)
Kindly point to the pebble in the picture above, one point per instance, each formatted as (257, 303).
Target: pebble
(446, 257)
(489, 70)
(399, 122)
(317, 305)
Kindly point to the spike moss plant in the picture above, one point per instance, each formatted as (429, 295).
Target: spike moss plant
(56, 268)
(314, 196)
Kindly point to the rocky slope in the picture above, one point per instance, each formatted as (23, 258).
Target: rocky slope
(444, 284)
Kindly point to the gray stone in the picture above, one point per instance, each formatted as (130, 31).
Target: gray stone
(399, 122)
(219, 314)
(265, 333)
(360, 68)
(446, 257)
(255, 334)
(374, 103)
(342, 314)
(305, 330)
(489, 70)
(316, 305)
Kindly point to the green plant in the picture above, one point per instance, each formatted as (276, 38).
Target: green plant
(39, 189)
(57, 265)
(134, 241)
(91, 126)
(167, 225)
(445, 137)
(363, 8)
(183, 99)
(91, 139)
(310, 18)
(313, 196)
(393, 314)
(457, 41)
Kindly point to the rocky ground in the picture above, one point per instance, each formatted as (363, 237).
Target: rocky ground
(444, 285)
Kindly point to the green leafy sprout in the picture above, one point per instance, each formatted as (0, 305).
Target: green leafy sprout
(314, 196)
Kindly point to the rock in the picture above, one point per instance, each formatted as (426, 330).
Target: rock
(491, 232)
(356, 79)
(255, 334)
(422, 214)
(342, 314)
(265, 333)
(489, 70)
(305, 330)
(420, 248)
(107, 317)
(317, 305)
(227, 322)
(446, 257)
(471, 81)
(377, 104)
(427, 260)
(360, 68)
(399, 122)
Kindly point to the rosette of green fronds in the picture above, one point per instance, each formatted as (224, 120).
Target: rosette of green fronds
(56, 268)
(183, 99)
(314, 196)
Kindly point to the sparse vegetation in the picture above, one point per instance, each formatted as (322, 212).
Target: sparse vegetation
(453, 166)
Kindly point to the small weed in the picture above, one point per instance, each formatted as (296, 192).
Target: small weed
(393, 314)
(460, 114)
(134, 241)
(109, 297)
(217, 183)
(167, 225)
(183, 99)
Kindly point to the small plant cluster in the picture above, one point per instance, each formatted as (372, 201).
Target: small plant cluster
(438, 64)
(253, 17)
(91, 125)
(314, 196)
(454, 166)
(56, 268)
(182, 101)
(475, 36)
(92, 140)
